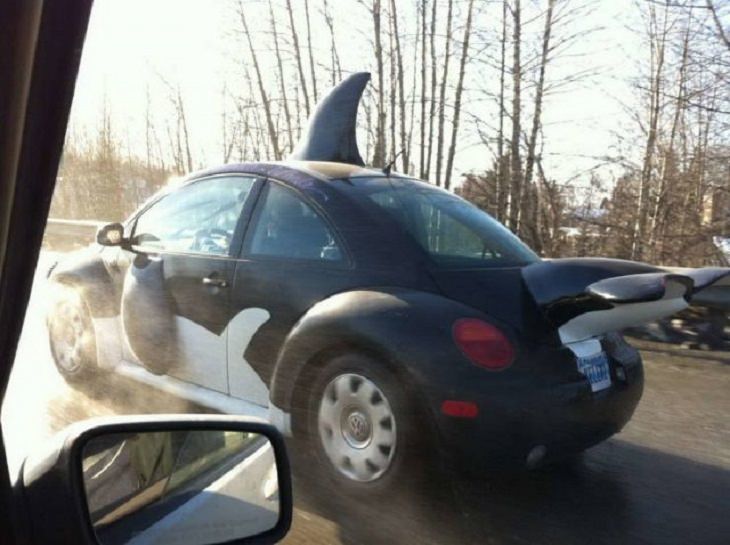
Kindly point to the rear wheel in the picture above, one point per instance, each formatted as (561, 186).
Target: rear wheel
(71, 334)
(357, 427)
(362, 425)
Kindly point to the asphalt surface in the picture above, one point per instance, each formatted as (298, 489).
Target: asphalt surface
(664, 479)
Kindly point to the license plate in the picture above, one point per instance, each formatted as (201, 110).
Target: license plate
(596, 370)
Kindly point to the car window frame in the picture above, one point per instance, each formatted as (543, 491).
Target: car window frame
(244, 252)
(241, 223)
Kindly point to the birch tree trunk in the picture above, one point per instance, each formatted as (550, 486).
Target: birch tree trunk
(457, 97)
(424, 71)
(529, 206)
(265, 102)
(537, 114)
(298, 56)
(335, 67)
(380, 140)
(432, 96)
(311, 52)
(655, 237)
(502, 186)
(657, 40)
(282, 79)
(442, 94)
(392, 90)
(409, 166)
(515, 160)
(401, 87)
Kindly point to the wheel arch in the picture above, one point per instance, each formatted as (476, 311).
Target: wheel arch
(407, 331)
(87, 272)
(309, 372)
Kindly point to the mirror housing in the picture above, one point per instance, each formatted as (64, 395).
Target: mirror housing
(51, 483)
(111, 234)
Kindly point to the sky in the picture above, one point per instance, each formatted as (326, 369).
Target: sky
(132, 45)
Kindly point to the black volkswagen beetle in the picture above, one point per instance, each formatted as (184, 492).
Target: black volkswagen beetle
(372, 316)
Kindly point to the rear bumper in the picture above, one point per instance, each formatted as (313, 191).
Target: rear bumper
(562, 420)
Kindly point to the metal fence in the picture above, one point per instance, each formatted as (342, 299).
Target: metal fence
(64, 235)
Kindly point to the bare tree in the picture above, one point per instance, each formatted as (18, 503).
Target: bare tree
(229, 128)
(516, 163)
(668, 155)
(413, 94)
(265, 102)
(537, 112)
(442, 93)
(718, 25)
(154, 157)
(392, 90)
(501, 186)
(657, 34)
(380, 126)
(178, 134)
(298, 56)
(531, 207)
(282, 78)
(335, 68)
(311, 51)
(432, 95)
(401, 87)
(459, 92)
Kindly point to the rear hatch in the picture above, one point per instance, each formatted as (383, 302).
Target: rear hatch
(579, 303)
(584, 298)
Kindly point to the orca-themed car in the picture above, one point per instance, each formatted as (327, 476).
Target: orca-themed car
(376, 317)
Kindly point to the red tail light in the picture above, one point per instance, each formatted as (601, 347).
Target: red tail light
(484, 344)
(460, 409)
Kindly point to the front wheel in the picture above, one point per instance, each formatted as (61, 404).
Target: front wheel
(364, 428)
(71, 334)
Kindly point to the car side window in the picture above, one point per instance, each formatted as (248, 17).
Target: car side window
(288, 227)
(199, 218)
(446, 236)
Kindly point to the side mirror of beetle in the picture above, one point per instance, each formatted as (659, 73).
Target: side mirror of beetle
(188, 479)
(111, 234)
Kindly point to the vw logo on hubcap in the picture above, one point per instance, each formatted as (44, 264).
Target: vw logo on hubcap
(356, 428)
(359, 426)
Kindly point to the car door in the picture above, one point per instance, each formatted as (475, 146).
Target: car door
(176, 295)
(291, 258)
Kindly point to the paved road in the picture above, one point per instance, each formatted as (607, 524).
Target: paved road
(664, 479)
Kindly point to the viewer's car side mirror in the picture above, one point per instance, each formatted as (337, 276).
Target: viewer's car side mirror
(178, 479)
(111, 234)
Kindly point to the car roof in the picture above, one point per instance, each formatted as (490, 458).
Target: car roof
(324, 171)
(333, 171)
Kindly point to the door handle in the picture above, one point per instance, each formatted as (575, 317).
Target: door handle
(215, 281)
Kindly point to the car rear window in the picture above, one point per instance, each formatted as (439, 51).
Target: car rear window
(452, 231)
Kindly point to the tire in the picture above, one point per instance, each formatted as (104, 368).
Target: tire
(71, 335)
(362, 427)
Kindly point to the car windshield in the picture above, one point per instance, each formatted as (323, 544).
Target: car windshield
(454, 232)
(468, 256)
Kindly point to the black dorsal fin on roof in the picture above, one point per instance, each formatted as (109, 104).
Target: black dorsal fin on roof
(330, 134)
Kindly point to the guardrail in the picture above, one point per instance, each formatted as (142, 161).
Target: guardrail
(65, 235)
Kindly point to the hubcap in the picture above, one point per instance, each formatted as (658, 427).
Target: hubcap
(70, 333)
(357, 427)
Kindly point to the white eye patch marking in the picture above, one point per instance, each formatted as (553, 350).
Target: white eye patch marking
(201, 356)
(243, 381)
